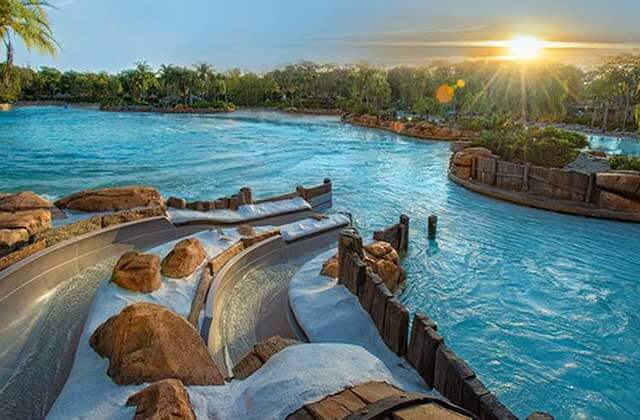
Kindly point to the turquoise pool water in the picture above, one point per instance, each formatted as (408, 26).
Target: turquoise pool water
(615, 145)
(543, 306)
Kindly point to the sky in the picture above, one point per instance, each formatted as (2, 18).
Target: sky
(112, 35)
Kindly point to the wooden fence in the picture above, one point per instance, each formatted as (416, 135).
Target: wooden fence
(550, 182)
(397, 235)
(424, 348)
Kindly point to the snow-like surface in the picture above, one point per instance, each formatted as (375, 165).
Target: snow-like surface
(308, 226)
(329, 313)
(297, 375)
(244, 213)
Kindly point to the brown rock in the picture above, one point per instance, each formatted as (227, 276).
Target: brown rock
(625, 183)
(112, 199)
(25, 200)
(464, 157)
(176, 203)
(463, 172)
(246, 230)
(147, 342)
(12, 239)
(262, 352)
(184, 259)
(381, 257)
(612, 201)
(34, 221)
(163, 400)
(330, 268)
(138, 272)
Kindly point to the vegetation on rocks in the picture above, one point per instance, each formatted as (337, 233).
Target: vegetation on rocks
(627, 163)
(551, 147)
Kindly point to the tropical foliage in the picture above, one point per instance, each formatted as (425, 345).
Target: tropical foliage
(628, 163)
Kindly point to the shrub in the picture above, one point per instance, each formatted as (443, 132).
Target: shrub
(625, 163)
(550, 146)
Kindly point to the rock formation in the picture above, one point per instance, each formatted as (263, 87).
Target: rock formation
(184, 259)
(112, 199)
(262, 352)
(138, 272)
(462, 160)
(163, 400)
(147, 342)
(381, 257)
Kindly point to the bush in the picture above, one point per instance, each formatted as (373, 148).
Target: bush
(549, 147)
(625, 163)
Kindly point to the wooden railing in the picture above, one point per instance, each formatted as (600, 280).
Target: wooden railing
(424, 348)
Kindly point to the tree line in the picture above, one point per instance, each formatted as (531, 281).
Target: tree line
(606, 96)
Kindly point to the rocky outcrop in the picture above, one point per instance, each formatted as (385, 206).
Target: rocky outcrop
(262, 352)
(33, 221)
(419, 129)
(163, 400)
(127, 216)
(246, 230)
(12, 239)
(625, 183)
(138, 272)
(184, 259)
(176, 203)
(461, 161)
(112, 199)
(25, 200)
(147, 342)
(615, 202)
(382, 258)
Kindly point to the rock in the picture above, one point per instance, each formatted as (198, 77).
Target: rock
(34, 221)
(462, 172)
(25, 200)
(177, 203)
(330, 268)
(385, 262)
(12, 239)
(539, 415)
(163, 400)
(381, 257)
(246, 230)
(112, 199)
(147, 342)
(184, 259)
(615, 202)
(464, 157)
(625, 183)
(138, 272)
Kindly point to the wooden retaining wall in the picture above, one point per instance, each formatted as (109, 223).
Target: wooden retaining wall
(422, 346)
(549, 182)
(397, 235)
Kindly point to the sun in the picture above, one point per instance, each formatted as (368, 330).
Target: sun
(524, 47)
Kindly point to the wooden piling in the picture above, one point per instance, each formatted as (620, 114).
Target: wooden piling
(432, 226)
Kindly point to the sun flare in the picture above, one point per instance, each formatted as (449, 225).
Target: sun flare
(525, 47)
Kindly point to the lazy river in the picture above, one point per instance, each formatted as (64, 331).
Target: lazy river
(542, 305)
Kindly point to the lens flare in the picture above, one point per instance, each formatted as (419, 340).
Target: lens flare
(525, 48)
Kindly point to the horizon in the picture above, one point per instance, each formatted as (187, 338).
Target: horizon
(261, 37)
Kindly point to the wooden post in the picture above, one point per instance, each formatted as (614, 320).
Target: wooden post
(494, 172)
(349, 243)
(589, 195)
(403, 232)
(300, 191)
(433, 224)
(246, 195)
(525, 177)
(474, 166)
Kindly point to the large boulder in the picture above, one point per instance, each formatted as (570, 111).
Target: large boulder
(465, 156)
(12, 239)
(184, 258)
(383, 260)
(25, 200)
(138, 272)
(163, 400)
(625, 183)
(262, 352)
(34, 221)
(112, 199)
(147, 342)
(615, 202)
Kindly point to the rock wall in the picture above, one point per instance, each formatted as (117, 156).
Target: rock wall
(419, 129)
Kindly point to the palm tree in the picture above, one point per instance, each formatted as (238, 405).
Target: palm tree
(27, 20)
